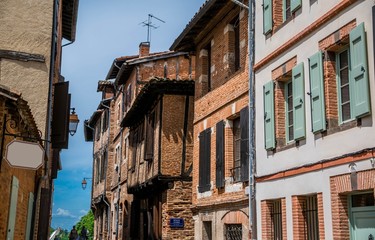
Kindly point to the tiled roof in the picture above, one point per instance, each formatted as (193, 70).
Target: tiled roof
(104, 83)
(23, 108)
(186, 40)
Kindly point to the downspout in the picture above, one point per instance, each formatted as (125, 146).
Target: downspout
(48, 123)
(252, 157)
(252, 163)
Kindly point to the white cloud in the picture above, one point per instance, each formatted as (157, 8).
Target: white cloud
(64, 213)
(83, 212)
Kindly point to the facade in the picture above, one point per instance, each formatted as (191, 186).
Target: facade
(149, 148)
(30, 58)
(97, 130)
(314, 76)
(218, 36)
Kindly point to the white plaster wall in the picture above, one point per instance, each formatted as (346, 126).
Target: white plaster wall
(337, 144)
(310, 183)
(26, 26)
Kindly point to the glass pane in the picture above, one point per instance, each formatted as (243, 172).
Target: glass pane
(344, 76)
(290, 118)
(290, 103)
(291, 135)
(363, 200)
(345, 112)
(344, 59)
(345, 97)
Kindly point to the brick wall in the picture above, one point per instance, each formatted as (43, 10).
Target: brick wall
(341, 187)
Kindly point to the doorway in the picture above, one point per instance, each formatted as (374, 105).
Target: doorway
(362, 219)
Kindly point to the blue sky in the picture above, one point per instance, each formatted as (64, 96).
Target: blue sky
(105, 30)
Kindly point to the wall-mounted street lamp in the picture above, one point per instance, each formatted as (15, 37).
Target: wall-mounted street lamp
(73, 122)
(84, 182)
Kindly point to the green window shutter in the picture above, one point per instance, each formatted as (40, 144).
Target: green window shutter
(318, 118)
(269, 116)
(359, 86)
(267, 16)
(298, 101)
(12, 208)
(29, 216)
(295, 4)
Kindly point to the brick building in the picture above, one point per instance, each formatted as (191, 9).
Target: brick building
(149, 151)
(218, 36)
(97, 130)
(30, 61)
(314, 71)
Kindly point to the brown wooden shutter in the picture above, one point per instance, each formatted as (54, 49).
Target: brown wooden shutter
(150, 130)
(220, 144)
(60, 116)
(204, 160)
(244, 125)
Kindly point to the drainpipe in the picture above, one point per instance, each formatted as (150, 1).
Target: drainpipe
(252, 163)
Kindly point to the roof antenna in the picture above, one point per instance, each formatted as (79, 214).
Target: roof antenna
(149, 25)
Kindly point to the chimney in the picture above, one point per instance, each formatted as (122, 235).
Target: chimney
(144, 49)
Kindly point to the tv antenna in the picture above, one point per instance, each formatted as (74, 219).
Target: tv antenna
(149, 25)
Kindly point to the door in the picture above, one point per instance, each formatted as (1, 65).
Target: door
(362, 222)
(364, 225)
(12, 208)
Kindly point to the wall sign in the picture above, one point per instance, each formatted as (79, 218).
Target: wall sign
(176, 222)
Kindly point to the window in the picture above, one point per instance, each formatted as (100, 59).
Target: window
(97, 130)
(233, 231)
(287, 13)
(208, 68)
(289, 111)
(289, 96)
(236, 171)
(342, 60)
(306, 217)
(234, 43)
(103, 165)
(220, 153)
(348, 63)
(118, 113)
(204, 160)
(311, 217)
(126, 148)
(150, 135)
(276, 220)
(273, 213)
(276, 12)
(207, 230)
(105, 120)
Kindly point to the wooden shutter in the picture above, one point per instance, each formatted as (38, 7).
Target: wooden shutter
(220, 145)
(359, 86)
(295, 4)
(204, 160)
(269, 116)
(267, 16)
(60, 116)
(318, 117)
(149, 141)
(244, 125)
(298, 101)
(29, 216)
(12, 208)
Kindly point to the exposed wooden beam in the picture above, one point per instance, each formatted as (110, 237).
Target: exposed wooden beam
(21, 56)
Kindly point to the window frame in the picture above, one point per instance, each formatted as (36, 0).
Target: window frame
(236, 167)
(339, 87)
(287, 110)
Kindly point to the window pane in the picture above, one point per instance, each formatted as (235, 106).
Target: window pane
(363, 200)
(344, 76)
(345, 112)
(345, 97)
(344, 59)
